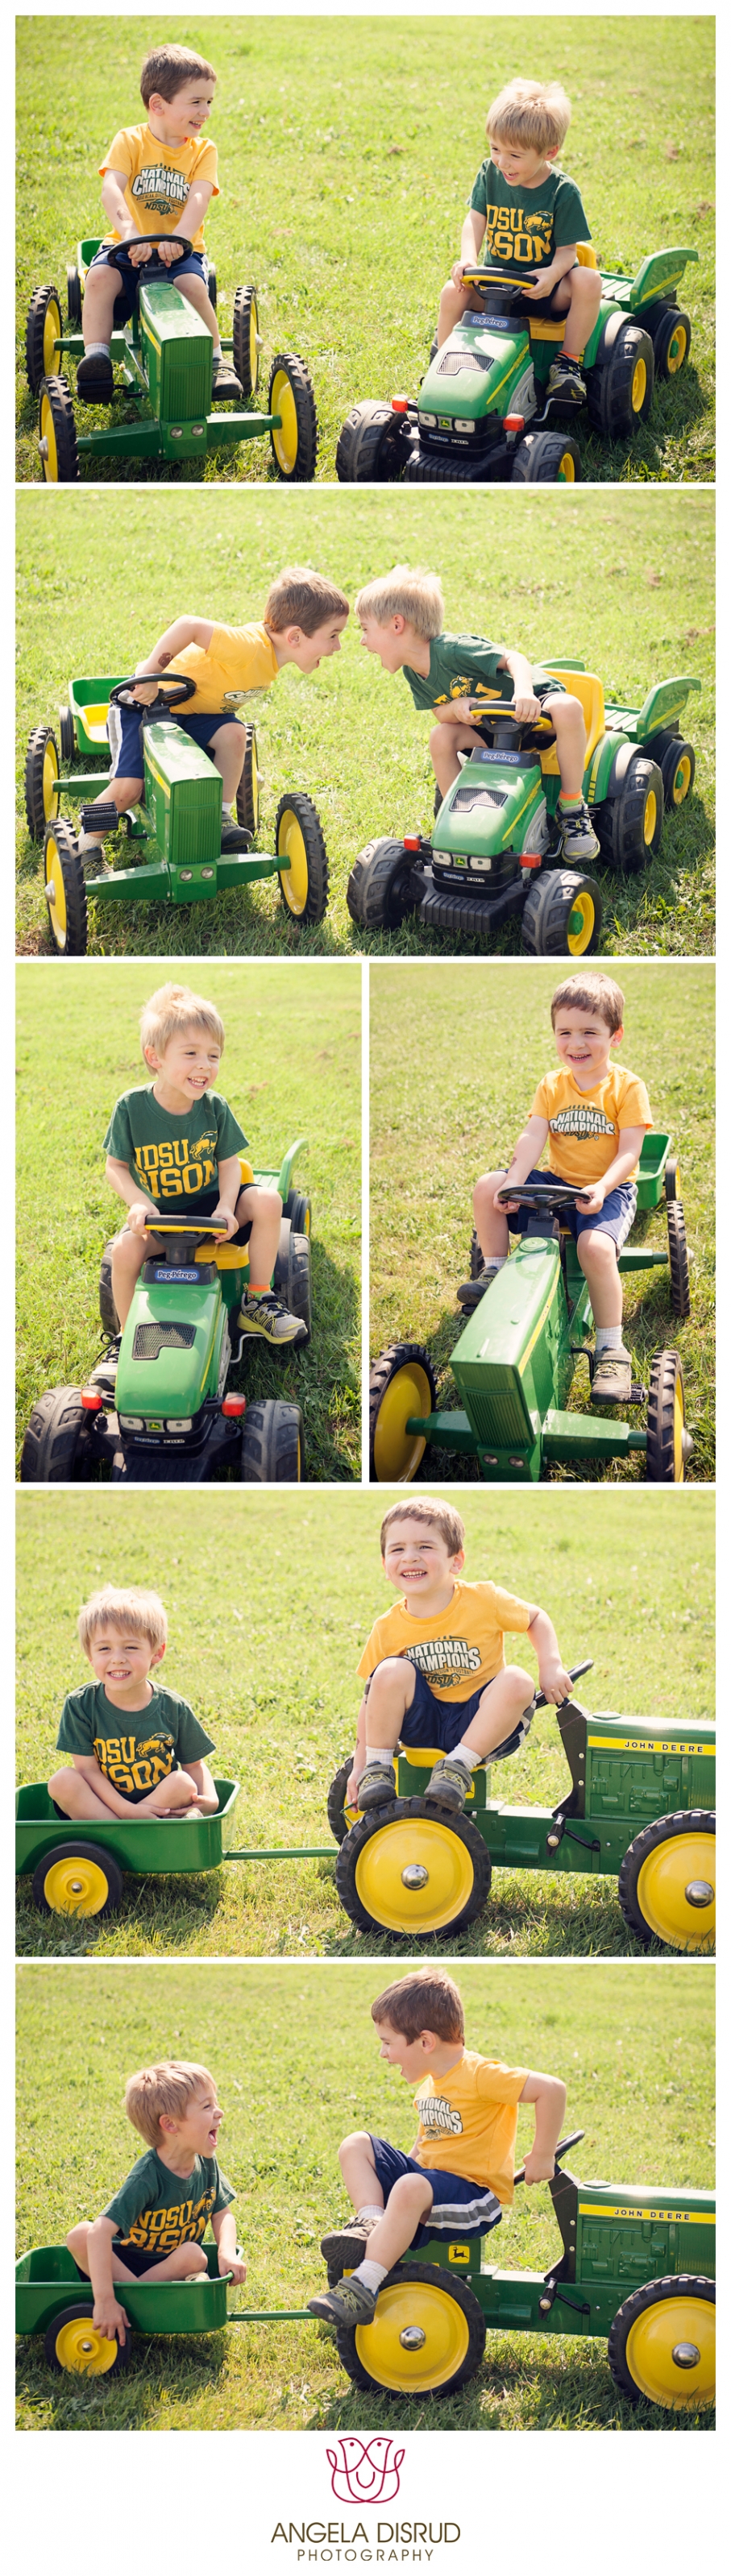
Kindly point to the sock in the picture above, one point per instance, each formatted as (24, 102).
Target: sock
(97, 349)
(88, 841)
(228, 809)
(465, 1753)
(379, 1753)
(218, 357)
(569, 804)
(570, 362)
(258, 1292)
(494, 1260)
(370, 2209)
(371, 2274)
(609, 1337)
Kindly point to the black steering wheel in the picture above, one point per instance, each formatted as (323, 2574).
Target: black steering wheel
(150, 266)
(176, 683)
(543, 1197)
(561, 2150)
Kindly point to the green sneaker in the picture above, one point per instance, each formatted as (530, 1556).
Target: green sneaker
(350, 2304)
(377, 1786)
(577, 833)
(267, 1317)
(449, 1784)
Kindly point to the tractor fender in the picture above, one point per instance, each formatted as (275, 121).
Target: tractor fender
(608, 770)
(604, 334)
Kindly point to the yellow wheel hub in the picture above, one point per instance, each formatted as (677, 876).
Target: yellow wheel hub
(51, 333)
(439, 1870)
(294, 880)
(75, 1887)
(675, 2326)
(398, 1452)
(57, 902)
(50, 780)
(580, 928)
(567, 469)
(80, 2347)
(681, 781)
(48, 435)
(424, 2312)
(677, 350)
(685, 1862)
(286, 439)
(678, 1429)
(639, 385)
(649, 818)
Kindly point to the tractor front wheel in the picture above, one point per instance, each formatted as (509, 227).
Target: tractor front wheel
(667, 1882)
(669, 1445)
(427, 2336)
(57, 432)
(546, 456)
(41, 780)
(65, 890)
(406, 1868)
(298, 1207)
(77, 1878)
(402, 1383)
(670, 333)
(379, 894)
(562, 915)
(620, 385)
(336, 1812)
(662, 2343)
(107, 1309)
(678, 1258)
(298, 837)
(629, 825)
(66, 733)
(294, 444)
(247, 794)
(293, 1276)
(370, 448)
(42, 330)
(246, 341)
(73, 297)
(56, 1445)
(73, 2342)
(273, 1445)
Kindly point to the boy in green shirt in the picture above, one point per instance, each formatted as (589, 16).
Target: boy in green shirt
(131, 1744)
(531, 219)
(154, 2226)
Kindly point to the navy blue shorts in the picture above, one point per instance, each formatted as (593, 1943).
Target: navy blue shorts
(129, 278)
(443, 1722)
(125, 736)
(459, 2207)
(615, 1218)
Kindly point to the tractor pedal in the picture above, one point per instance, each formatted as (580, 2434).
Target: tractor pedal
(99, 818)
(638, 1394)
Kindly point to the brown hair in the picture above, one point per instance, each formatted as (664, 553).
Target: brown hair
(299, 597)
(141, 1613)
(590, 993)
(164, 2089)
(440, 1516)
(534, 114)
(427, 2000)
(169, 69)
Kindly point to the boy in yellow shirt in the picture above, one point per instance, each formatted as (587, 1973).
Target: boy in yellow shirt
(596, 1115)
(434, 1666)
(156, 178)
(303, 621)
(460, 2174)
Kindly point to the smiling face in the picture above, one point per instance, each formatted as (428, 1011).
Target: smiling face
(189, 1065)
(519, 165)
(186, 114)
(417, 1560)
(194, 2135)
(122, 1662)
(583, 1041)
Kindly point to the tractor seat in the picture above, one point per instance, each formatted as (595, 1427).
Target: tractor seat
(232, 1255)
(95, 724)
(584, 686)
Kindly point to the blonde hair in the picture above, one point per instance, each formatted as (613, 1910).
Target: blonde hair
(299, 597)
(438, 1516)
(171, 1010)
(590, 993)
(164, 2090)
(534, 114)
(416, 595)
(427, 2000)
(141, 1613)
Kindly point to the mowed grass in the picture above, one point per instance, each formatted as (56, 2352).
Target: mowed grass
(623, 581)
(291, 1068)
(634, 2047)
(455, 1061)
(265, 1642)
(345, 162)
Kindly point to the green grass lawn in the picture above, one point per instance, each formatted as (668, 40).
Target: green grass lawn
(291, 1067)
(290, 1586)
(634, 2047)
(622, 580)
(345, 162)
(457, 1060)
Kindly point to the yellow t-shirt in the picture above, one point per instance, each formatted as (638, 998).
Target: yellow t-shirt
(468, 2121)
(460, 1649)
(159, 178)
(238, 658)
(585, 1126)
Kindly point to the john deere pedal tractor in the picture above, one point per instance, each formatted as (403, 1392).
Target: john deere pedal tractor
(180, 817)
(482, 413)
(636, 2267)
(165, 1415)
(495, 851)
(514, 1363)
(638, 1807)
(164, 360)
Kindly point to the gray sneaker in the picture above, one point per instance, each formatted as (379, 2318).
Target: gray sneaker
(449, 1784)
(377, 1786)
(612, 1379)
(577, 834)
(350, 2304)
(347, 2245)
(565, 382)
(270, 1320)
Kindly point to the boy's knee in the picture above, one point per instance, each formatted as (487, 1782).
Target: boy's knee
(198, 2258)
(76, 2240)
(357, 2138)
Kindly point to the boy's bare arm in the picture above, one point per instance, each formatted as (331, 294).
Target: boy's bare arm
(184, 631)
(115, 206)
(224, 2229)
(229, 1184)
(552, 1674)
(526, 1155)
(204, 1785)
(542, 281)
(128, 1188)
(473, 235)
(196, 204)
(525, 703)
(549, 2096)
(631, 1140)
(109, 2318)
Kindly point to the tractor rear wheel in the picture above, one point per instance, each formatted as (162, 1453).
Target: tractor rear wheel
(245, 342)
(43, 328)
(336, 1815)
(670, 333)
(298, 1207)
(57, 432)
(406, 1868)
(562, 914)
(379, 892)
(65, 890)
(212, 286)
(669, 1445)
(107, 1309)
(293, 1276)
(273, 1445)
(370, 448)
(629, 824)
(678, 1256)
(41, 780)
(298, 837)
(620, 385)
(402, 1383)
(477, 1257)
(662, 2343)
(77, 1878)
(247, 793)
(667, 1882)
(66, 733)
(546, 456)
(294, 446)
(56, 1446)
(73, 2342)
(427, 2336)
(73, 297)
(676, 763)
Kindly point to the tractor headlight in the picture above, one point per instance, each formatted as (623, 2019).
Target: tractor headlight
(131, 1422)
(465, 426)
(429, 419)
(184, 1423)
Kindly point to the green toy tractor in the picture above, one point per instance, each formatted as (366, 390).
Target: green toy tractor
(495, 851)
(514, 1363)
(482, 413)
(165, 360)
(180, 815)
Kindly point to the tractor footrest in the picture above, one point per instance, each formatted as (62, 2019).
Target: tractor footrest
(472, 917)
(99, 818)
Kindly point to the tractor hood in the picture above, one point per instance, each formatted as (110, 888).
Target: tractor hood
(476, 371)
(506, 1362)
(491, 805)
(168, 1358)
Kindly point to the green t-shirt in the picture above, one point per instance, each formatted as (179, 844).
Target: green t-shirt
(460, 666)
(157, 2210)
(136, 1748)
(174, 1159)
(526, 225)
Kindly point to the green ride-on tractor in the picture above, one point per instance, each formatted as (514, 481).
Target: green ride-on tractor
(180, 815)
(165, 361)
(495, 850)
(158, 1411)
(638, 1807)
(482, 414)
(514, 1363)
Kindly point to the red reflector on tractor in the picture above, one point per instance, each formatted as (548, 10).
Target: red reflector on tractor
(412, 841)
(91, 1402)
(530, 858)
(233, 1405)
(399, 402)
(514, 420)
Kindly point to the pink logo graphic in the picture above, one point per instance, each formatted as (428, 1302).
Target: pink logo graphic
(363, 2472)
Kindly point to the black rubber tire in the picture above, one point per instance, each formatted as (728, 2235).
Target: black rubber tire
(61, 859)
(247, 793)
(293, 1277)
(449, 2286)
(678, 1257)
(665, 1376)
(44, 306)
(666, 1829)
(610, 382)
(373, 1823)
(73, 297)
(477, 1257)
(245, 310)
(306, 815)
(107, 1309)
(54, 394)
(298, 1207)
(424, 467)
(672, 1169)
(664, 323)
(370, 448)
(42, 752)
(622, 822)
(272, 1445)
(386, 1368)
(668, 749)
(83, 2308)
(690, 2284)
(542, 453)
(212, 285)
(379, 886)
(56, 1441)
(66, 733)
(79, 1850)
(336, 1815)
(549, 907)
(303, 468)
